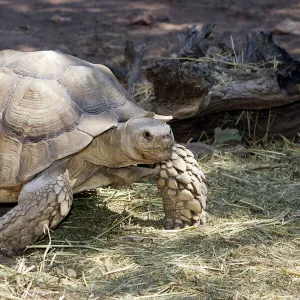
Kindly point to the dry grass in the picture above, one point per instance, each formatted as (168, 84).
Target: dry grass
(143, 92)
(112, 245)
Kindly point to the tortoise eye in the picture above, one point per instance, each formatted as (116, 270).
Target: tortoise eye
(147, 135)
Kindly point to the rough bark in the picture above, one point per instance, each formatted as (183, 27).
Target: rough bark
(128, 71)
(189, 90)
(133, 59)
(254, 74)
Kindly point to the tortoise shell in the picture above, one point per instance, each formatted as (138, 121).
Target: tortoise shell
(51, 106)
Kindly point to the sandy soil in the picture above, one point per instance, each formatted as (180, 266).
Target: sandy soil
(97, 30)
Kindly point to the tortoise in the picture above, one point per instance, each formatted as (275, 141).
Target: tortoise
(67, 126)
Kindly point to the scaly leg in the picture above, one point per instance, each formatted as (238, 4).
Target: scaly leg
(42, 203)
(182, 186)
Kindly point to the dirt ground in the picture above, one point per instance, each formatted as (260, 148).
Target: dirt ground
(97, 30)
(112, 246)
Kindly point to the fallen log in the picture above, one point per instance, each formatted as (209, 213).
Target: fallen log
(255, 75)
(210, 84)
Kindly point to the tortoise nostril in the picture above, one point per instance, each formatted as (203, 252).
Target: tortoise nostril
(167, 136)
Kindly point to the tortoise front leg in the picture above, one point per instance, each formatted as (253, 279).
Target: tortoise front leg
(182, 186)
(43, 203)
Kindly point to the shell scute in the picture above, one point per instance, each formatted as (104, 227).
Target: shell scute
(9, 160)
(43, 64)
(39, 109)
(92, 89)
(6, 56)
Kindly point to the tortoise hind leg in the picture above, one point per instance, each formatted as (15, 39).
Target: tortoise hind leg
(181, 184)
(42, 203)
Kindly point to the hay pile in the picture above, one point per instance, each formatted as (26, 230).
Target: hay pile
(112, 245)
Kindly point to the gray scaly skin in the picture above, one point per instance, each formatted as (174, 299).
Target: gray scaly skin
(181, 183)
(43, 203)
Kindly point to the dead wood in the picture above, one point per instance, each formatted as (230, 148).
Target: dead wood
(128, 71)
(253, 74)
(191, 41)
(133, 59)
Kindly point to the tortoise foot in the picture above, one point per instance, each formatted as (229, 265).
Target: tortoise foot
(184, 192)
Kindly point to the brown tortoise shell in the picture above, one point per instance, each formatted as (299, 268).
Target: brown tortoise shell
(51, 106)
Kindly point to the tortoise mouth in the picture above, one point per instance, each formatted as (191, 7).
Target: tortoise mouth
(148, 166)
(153, 156)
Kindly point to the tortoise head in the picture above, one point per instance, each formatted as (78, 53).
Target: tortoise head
(146, 140)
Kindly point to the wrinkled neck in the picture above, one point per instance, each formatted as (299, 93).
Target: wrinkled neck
(106, 150)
